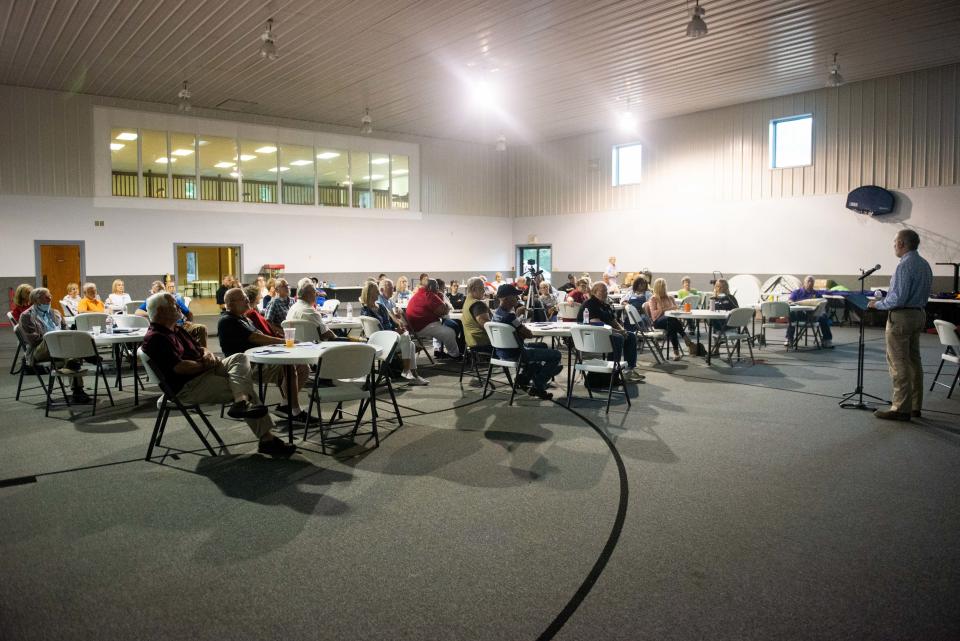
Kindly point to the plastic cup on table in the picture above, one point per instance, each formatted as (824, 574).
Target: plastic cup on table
(289, 336)
(96, 330)
(686, 307)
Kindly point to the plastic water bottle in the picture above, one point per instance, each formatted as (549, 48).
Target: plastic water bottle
(586, 316)
(108, 325)
(713, 305)
(349, 310)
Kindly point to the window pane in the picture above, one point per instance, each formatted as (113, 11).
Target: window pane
(627, 163)
(400, 182)
(156, 162)
(793, 142)
(297, 181)
(258, 171)
(380, 180)
(360, 176)
(183, 150)
(123, 161)
(333, 177)
(218, 168)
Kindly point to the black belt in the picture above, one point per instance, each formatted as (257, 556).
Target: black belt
(897, 309)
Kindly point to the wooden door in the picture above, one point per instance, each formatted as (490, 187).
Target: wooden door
(59, 265)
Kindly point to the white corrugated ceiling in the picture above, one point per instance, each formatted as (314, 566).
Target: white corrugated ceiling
(561, 67)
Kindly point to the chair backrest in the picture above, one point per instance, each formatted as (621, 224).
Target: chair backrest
(741, 317)
(947, 332)
(67, 343)
(152, 376)
(132, 307)
(67, 309)
(307, 332)
(386, 340)
(693, 299)
(90, 319)
(346, 360)
(705, 299)
(129, 321)
(592, 339)
(633, 314)
(819, 310)
(568, 310)
(330, 306)
(370, 325)
(186, 301)
(774, 310)
(13, 323)
(501, 335)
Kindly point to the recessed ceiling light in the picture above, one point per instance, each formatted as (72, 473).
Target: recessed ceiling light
(300, 163)
(234, 174)
(127, 135)
(347, 182)
(484, 94)
(203, 142)
(379, 161)
(400, 172)
(245, 157)
(116, 146)
(274, 169)
(327, 155)
(163, 160)
(627, 122)
(225, 165)
(266, 149)
(181, 152)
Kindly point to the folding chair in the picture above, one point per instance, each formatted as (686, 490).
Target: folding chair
(131, 308)
(594, 340)
(947, 332)
(13, 364)
(389, 342)
(164, 403)
(349, 366)
(769, 312)
(736, 332)
(568, 311)
(330, 306)
(25, 362)
(66, 345)
(87, 320)
(503, 336)
(650, 338)
(810, 326)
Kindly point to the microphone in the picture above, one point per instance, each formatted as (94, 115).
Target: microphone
(871, 270)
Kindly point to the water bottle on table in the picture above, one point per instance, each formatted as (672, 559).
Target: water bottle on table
(349, 310)
(108, 325)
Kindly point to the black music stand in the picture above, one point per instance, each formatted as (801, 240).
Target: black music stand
(854, 399)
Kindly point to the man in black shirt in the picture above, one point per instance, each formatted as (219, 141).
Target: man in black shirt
(624, 342)
(237, 335)
(570, 285)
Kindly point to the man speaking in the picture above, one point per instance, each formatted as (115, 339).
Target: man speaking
(906, 300)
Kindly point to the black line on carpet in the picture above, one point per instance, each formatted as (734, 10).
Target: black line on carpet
(18, 480)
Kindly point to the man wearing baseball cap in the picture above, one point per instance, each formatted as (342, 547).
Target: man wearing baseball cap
(542, 362)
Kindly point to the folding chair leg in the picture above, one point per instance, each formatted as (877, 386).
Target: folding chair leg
(513, 383)
(16, 359)
(953, 385)
(393, 400)
(49, 390)
(196, 429)
(154, 437)
(486, 383)
(613, 376)
(937, 375)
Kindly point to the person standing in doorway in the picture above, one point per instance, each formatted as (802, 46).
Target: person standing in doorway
(905, 302)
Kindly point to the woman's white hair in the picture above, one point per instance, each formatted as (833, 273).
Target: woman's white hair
(156, 301)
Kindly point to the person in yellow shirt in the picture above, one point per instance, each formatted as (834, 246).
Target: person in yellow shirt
(90, 301)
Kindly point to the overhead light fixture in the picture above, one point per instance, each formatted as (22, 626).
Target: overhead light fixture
(379, 161)
(697, 28)
(404, 172)
(274, 169)
(127, 135)
(116, 146)
(225, 165)
(328, 155)
(234, 174)
(301, 163)
(268, 45)
(484, 94)
(366, 123)
(501, 143)
(163, 160)
(268, 149)
(835, 79)
(183, 98)
(245, 157)
(181, 152)
(627, 122)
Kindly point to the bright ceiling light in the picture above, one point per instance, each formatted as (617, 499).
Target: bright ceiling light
(183, 98)
(328, 155)
(301, 163)
(268, 44)
(501, 143)
(627, 122)
(116, 146)
(484, 94)
(267, 149)
(835, 79)
(163, 160)
(234, 174)
(181, 152)
(366, 123)
(697, 28)
(127, 135)
(274, 169)
(245, 157)
(400, 172)
(379, 161)
(225, 165)
(203, 142)
(376, 176)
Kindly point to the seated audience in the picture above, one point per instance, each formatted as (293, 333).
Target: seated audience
(402, 294)
(637, 296)
(521, 284)
(21, 301)
(38, 319)
(71, 301)
(305, 309)
(237, 335)
(685, 288)
(570, 285)
(548, 301)
(90, 301)
(425, 312)
(723, 300)
(624, 342)
(455, 296)
(197, 330)
(452, 323)
(541, 363)
(657, 306)
(262, 285)
(581, 293)
(118, 299)
(476, 314)
(370, 298)
(253, 314)
(279, 306)
(225, 285)
(270, 293)
(808, 293)
(196, 376)
(611, 283)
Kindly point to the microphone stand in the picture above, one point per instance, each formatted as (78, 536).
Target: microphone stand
(848, 402)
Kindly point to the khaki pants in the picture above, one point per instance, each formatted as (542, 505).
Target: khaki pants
(42, 355)
(198, 331)
(903, 358)
(223, 384)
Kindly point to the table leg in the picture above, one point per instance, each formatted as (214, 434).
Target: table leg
(288, 370)
(136, 387)
(709, 345)
(118, 363)
(569, 367)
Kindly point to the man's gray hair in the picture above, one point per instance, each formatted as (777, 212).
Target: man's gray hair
(35, 294)
(156, 301)
(910, 238)
(383, 282)
(306, 286)
(432, 285)
(476, 284)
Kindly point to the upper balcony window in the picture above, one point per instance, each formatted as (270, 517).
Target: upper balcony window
(791, 142)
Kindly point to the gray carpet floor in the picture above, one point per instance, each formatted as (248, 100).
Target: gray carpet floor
(730, 502)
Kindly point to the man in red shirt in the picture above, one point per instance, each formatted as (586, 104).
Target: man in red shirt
(425, 312)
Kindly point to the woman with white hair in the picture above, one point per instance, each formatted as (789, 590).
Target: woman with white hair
(118, 299)
(371, 306)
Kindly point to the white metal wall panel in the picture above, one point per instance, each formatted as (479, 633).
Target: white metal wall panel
(898, 132)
